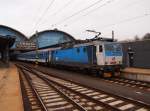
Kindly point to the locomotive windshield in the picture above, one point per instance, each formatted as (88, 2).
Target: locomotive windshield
(113, 47)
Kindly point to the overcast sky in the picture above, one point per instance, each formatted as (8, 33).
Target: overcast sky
(126, 17)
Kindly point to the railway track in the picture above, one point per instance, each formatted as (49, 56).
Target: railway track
(86, 97)
(130, 83)
(31, 101)
(43, 96)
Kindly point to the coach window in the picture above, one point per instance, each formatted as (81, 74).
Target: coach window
(100, 48)
(78, 50)
(84, 49)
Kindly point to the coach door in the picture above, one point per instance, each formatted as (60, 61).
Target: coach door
(49, 56)
(99, 55)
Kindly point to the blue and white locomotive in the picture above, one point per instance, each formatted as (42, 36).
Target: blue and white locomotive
(102, 56)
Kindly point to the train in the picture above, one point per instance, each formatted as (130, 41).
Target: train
(102, 56)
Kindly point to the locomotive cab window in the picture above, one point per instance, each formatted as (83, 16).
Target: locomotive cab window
(100, 48)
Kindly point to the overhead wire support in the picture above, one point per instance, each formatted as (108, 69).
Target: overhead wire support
(78, 12)
(43, 14)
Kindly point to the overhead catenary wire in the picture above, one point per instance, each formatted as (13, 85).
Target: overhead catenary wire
(127, 20)
(82, 10)
(95, 9)
(43, 14)
(91, 11)
(38, 9)
(63, 7)
(78, 12)
(132, 3)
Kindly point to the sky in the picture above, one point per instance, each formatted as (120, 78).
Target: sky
(126, 17)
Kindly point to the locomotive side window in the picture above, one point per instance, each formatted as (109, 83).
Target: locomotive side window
(113, 47)
(100, 48)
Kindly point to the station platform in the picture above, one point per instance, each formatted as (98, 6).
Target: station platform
(136, 74)
(10, 92)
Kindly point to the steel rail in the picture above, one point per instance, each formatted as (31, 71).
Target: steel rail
(129, 82)
(34, 90)
(26, 102)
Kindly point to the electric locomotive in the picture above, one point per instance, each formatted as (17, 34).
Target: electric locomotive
(101, 56)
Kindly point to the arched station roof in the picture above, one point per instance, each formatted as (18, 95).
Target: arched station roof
(6, 31)
(51, 37)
